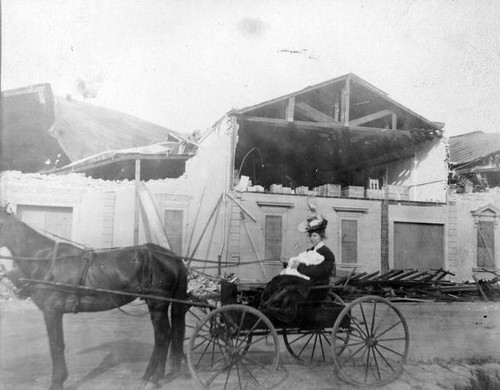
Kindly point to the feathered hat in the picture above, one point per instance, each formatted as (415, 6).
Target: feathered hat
(313, 224)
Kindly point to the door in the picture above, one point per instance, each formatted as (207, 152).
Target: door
(418, 245)
(486, 244)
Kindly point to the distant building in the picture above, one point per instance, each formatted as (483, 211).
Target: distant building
(474, 202)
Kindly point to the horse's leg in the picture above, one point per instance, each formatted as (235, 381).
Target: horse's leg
(162, 335)
(178, 330)
(54, 323)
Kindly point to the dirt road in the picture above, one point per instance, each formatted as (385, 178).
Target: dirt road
(110, 350)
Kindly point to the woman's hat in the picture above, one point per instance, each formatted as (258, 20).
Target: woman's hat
(312, 224)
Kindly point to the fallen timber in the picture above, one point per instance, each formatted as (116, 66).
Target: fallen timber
(414, 285)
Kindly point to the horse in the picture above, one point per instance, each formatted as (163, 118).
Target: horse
(143, 270)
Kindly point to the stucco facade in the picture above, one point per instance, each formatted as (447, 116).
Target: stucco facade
(465, 213)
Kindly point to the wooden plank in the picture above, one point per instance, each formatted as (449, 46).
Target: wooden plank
(370, 117)
(394, 122)
(369, 276)
(195, 220)
(216, 209)
(314, 114)
(347, 100)
(394, 274)
(303, 125)
(342, 106)
(357, 276)
(336, 111)
(388, 274)
(290, 109)
(254, 248)
(241, 207)
(404, 274)
(151, 217)
(417, 275)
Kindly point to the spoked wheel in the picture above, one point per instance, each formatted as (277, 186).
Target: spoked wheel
(313, 345)
(195, 315)
(309, 346)
(234, 347)
(378, 343)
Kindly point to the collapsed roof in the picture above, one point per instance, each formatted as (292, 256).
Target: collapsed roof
(326, 132)
(84, 129)
(470, 148)
(41, 132)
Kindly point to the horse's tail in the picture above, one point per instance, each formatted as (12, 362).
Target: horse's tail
(179, 317)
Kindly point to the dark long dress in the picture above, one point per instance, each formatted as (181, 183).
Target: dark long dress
(284, 294)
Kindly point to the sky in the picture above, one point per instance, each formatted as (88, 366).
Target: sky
(184, 64)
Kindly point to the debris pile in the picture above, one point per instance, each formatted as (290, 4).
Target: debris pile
(412, 285)
(205, 286)
(8, 291)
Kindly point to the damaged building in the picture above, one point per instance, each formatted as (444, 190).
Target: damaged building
(474, 200)
(231, 197)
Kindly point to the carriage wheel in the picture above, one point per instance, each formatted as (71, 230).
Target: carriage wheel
(234, 347)
(195, 314)
(309, 346)
(312, 346)
(378, 343)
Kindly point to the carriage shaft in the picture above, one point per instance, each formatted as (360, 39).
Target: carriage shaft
(69, 288)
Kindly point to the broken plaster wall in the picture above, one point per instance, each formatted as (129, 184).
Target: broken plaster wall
(197, 193)
(463, 231)
(88, 198)
(293, 209)
(103, 211)
(426, 174)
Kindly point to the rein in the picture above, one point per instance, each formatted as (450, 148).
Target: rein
(53, 258)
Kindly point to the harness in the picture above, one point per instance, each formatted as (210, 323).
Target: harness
(88, 257)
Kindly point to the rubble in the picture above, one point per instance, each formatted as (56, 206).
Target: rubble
(412, 285)
(8, 291)
(205, 286)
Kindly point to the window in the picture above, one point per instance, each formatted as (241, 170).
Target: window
(55, 220)
(273, 237)
(486, 244)
(173, 228)
(349, 241)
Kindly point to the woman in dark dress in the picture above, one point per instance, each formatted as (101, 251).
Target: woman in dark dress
(319, 274)
(284, 293)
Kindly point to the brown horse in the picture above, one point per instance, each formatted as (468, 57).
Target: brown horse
(142, 270)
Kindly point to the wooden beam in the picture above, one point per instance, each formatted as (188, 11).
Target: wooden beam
(311, 113)
(111, 160)
(394, 122)
(318, 126)
(347, 99)
(371, 117)
(336, 111)
(380, 159)
(289, 115)
(342, 106)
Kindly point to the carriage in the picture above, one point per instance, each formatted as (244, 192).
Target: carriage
(234, 343)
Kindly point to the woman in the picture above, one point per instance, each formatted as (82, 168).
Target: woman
(319, 274)
(285, 293)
